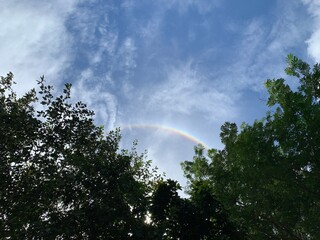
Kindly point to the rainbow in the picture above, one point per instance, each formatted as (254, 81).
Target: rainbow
(167, 129)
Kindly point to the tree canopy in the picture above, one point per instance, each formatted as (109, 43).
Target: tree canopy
(267, 174)
(62, 177)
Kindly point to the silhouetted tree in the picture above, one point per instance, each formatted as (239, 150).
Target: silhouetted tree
(267, 175)
(60, 178)
(199, 217)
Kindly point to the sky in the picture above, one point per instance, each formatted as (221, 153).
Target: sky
(169, 73)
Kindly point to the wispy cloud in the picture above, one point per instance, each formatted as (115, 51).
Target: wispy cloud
(262, 49)
(91, 90)
(34, 40)
(107, 59)
(186, 91)
(183, 5)
(314, 40)
(152, 29)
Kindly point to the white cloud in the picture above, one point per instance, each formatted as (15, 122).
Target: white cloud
(314, 40)
(151, 30)
(183, 5)
(110, 61)
(91, 90)
(96, 88)
(186, 91)
(34, 40)
(107, 45)
(127, 55)
(263, 48)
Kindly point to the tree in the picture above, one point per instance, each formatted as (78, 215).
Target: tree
(199, 217)
(60, 178)
(267, 174)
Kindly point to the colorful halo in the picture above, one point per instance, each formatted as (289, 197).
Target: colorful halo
(167, 129)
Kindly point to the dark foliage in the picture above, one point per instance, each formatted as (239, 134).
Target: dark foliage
(60, 177)
(267, 175)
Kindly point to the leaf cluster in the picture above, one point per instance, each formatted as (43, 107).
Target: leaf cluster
(61, 177)
(267, 175)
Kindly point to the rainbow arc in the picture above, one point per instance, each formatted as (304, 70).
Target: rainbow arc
(166, 129)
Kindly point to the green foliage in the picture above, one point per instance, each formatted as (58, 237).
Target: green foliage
(199, 217)
(60, 178)
(267, 175)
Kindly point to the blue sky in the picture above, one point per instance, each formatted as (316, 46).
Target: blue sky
(188, 65)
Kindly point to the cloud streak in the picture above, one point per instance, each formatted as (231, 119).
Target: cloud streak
(262, 49)
(314, 40)
(34, 40)
(188, 92)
